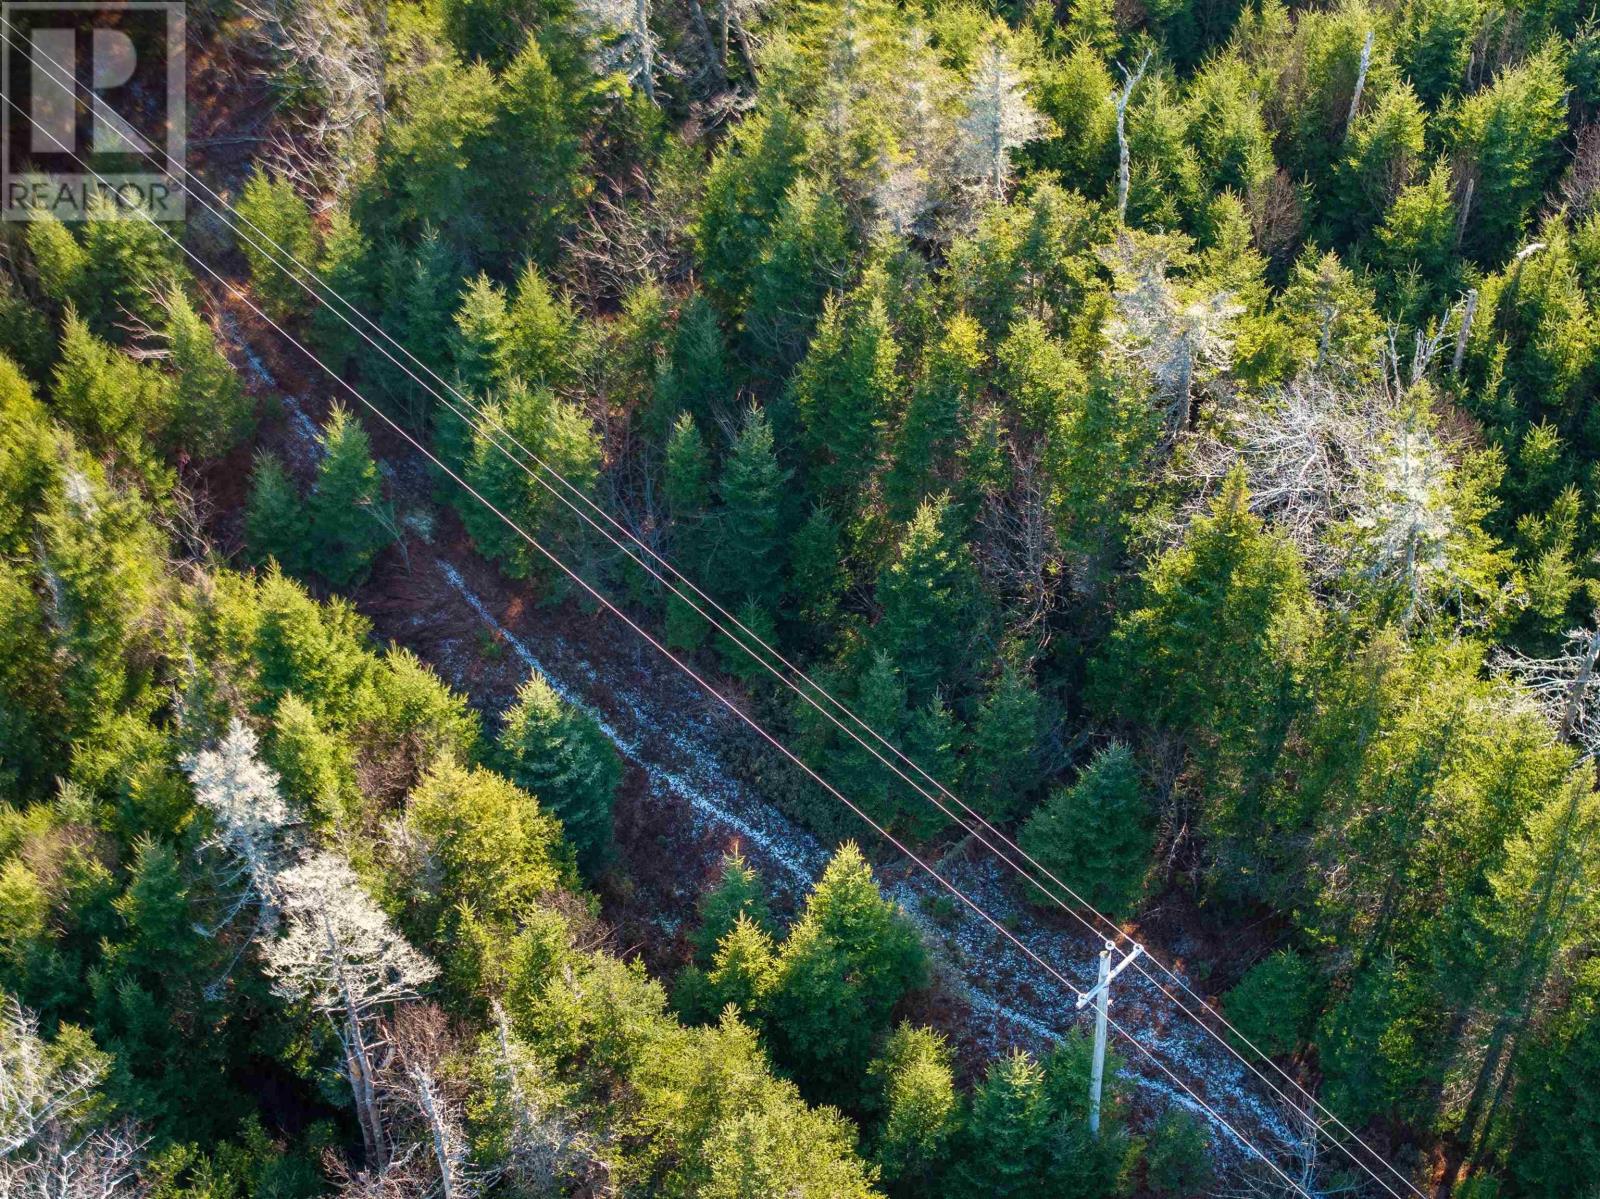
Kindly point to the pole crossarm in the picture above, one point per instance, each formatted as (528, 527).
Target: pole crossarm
(1087, 997)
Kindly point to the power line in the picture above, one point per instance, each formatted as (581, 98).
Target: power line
(805, 694)
(882, 832)
(813, 690)
(707, 687)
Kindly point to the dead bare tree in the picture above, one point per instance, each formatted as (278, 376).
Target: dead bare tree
(340, 954)
(924, 182)
(630, 233)
(1124, 163)
(1464, 331)
(1361, 85)
(428, 1107)
(544, 1150)
(998, 119)
(250, 819)
(338, 50)
(623, 41)
(1181, 336)
(1565, 685)
(1297, 1167)
(51, 1144)
(1020, 553)
(1349, 468)
(37, 1092)
(1403, 518)
(1304, 448)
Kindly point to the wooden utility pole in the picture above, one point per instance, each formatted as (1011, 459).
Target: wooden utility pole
(1100, 996)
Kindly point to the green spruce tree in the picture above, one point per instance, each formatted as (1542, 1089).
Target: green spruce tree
(276, 522)
(349, 521)
(1095, 836)
(560, 755)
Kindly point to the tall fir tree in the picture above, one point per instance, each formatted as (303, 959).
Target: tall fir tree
(349, 523)
(560, 755)
(849, 959)
(276, 522)
(279, 231)
(1094, 836)
(846, 392)
(932, 603)
(750, 549)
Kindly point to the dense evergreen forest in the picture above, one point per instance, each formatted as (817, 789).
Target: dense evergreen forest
(1172, 424)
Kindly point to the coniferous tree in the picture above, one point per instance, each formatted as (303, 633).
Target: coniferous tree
(128, 266)
(1008, 1133)
(687, 492)
(1177, 1158)
(348, 522)
(480, 334)
(27, 455)
(801, 261)
(417, 288)
(1093, 23)
(846, 391)
(317, 768)
(1506, 135)
(494, 852)
(1003, 765)
(564, 438)
(696, 377)
(688, 478)
(277, 229)
(817, 576)
(1095, 836)
(210, 410)
(743, 969)
(951, 383)
(931, 600)
(1213, 653)
(746, 187)
(560, 756)
(113, 403)
(349, 268)
(933, 741)
(739, 892)
(1271, 1005)
(919, 1109)
(276, 523)
(58, 259)
(849, 959)
(752, 495)
(540, 343)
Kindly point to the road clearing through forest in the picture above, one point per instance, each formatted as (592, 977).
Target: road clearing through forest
(668, 730)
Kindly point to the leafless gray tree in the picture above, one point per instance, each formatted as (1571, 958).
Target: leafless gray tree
(1565, 685)
(1020, 552)
(623, 41)
(999, 118)
(52, 1145)
(340, 953)
(546, 1151)
(338, 49)
(1180, 335)
(1130, 80)
(249, 816)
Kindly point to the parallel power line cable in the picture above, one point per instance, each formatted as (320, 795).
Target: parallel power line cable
(706, 686)
(809, 693)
